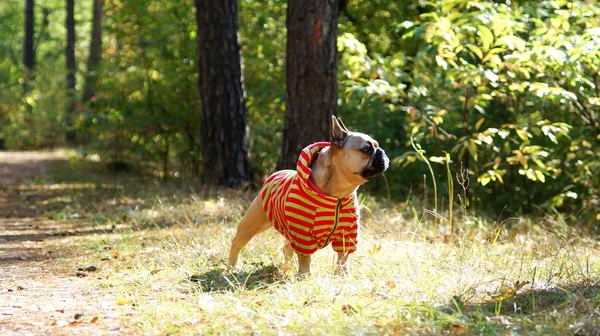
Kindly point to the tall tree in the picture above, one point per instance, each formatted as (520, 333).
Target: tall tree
(224, 126)
(89, 90)
(70, 53)
(28, 50)
(311, 75)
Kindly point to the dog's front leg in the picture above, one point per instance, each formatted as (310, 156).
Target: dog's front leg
(288, 254)
(341, 267)
(303, 264)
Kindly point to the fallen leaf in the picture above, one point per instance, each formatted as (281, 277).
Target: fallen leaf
(60, 310)
(94, 320)
(121, 302)
(153, 272)
(309, 302)
(348, 309)
(520, 284)
(458, 329)
(506, 293)
(374, 249)
(190, 323)
(75, 322)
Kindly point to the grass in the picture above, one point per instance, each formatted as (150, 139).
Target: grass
(164, 248)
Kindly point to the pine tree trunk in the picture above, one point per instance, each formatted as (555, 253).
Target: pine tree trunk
(28, 51)
(70, 53)
(224, 126)
(311, 76)
(91, 79)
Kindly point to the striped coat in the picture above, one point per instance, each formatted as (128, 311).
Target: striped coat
(304, 215)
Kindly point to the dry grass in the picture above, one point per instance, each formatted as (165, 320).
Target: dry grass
(165, 263)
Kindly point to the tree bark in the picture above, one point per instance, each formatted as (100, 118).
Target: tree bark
(224, 126)
(311, 76)
(70, 55)
(91, 78)
(28, 51)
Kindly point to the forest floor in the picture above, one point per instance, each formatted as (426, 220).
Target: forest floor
(41, 289)
(87, 251)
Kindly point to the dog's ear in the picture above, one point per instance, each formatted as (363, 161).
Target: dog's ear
(339, 132)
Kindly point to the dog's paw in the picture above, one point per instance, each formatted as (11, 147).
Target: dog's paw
(232, 269)
(342, 271)
(302, 276)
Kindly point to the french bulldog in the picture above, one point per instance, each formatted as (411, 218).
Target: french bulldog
(316, 204)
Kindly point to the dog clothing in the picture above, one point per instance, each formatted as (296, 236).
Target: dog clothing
(304, 215)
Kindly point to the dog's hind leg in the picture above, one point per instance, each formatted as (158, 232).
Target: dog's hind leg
(254, 222)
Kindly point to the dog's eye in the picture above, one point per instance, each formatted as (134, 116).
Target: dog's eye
(368, 149)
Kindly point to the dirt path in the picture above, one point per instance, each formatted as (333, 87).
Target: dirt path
(40, 293)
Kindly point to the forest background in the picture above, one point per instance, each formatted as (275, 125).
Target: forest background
(496, 102)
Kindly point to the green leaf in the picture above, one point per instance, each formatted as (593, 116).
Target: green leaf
(487, 38)
(441, 62)
(472, 147)
(479, 123)
(512, 42)
(437, 159)
(491, 76)
(540, 176)
(484, 179)
(475, 50)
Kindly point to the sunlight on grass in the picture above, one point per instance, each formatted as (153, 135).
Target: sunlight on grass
(171, 268)
(163, 257)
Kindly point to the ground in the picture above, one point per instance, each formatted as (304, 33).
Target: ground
(38, 294)
(87, 250)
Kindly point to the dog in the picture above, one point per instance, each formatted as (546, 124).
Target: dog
(315, 205)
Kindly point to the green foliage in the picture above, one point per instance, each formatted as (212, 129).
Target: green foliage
(147, 105)
(263, 38)
(510, 91)
(37, 126)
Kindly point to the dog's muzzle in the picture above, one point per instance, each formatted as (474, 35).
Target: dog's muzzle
(379, 164)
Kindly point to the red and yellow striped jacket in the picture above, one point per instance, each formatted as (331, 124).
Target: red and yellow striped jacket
(306, 216)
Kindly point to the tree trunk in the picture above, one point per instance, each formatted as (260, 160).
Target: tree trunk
(224, 126)
(91, 78)
(70, 53)
(311, 76)
(28, 51)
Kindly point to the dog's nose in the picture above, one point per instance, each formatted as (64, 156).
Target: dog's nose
(381, 160)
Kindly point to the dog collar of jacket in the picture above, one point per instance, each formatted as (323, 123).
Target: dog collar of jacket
(308, 218)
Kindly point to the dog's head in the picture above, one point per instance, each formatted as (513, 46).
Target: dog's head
(358, 153)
